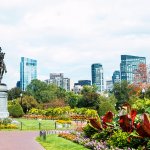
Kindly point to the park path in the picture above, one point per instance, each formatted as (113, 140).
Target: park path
(19, 140)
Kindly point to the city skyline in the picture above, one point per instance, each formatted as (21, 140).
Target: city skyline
(68, 36)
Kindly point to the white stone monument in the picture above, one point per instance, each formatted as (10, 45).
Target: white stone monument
(3, 88)
(3, 101)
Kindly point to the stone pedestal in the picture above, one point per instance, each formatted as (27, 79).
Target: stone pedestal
(3, 101)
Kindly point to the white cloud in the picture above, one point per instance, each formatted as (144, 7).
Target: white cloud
(68, 36)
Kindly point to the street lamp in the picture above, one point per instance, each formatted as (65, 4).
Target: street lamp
(21, 99)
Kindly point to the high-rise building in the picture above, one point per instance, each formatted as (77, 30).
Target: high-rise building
(28, 72)
(83, 82)
(97, 76)
(116, 76)
(59, 80)
(129, 64)
(66, 84)
(148, 74)
(18, 84)
(109, 85)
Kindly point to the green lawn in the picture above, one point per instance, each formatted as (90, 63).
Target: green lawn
(33, 124)
(53, 142)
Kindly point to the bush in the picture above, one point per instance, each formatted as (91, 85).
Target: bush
(7, 121)
(89, 130)
(15, 110)
(148, 145)
(139, 143)
(103, 135)
(118, 139)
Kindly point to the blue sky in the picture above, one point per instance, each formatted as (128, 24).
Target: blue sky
(69, 35)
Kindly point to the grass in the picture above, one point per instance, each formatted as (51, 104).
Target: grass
(33, 124)
(53, 142)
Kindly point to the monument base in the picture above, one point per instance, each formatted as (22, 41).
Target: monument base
(3, 101)
(4, 115)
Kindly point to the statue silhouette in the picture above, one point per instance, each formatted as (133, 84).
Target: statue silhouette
(2, 65)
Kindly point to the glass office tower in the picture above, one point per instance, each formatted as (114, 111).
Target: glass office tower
(129, 64)
(97, 76)
(28, 72)
(116, 76)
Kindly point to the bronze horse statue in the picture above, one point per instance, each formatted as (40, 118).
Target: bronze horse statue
(2, 65)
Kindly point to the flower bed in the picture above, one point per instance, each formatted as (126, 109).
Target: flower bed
(7, 123)
(87, 142)
(126, 131)
(8, 126)
(64, 121)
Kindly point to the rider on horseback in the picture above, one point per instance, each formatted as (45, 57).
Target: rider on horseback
(2, 65)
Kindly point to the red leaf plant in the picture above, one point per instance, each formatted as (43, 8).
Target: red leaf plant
(95, 122)
(107, 118)
(143, 129)
(127, 121)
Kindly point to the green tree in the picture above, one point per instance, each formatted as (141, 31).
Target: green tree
(14, 93)
(107, 104)
(36, 88)
(43, 92)
(89, 97)
(61, 93)
(121, 92)
(28, 102)
(147, 93)
(73, 99)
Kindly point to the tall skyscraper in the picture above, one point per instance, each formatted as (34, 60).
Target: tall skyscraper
(28, 72)
(97, 76)
(116, 76)
(129, 64)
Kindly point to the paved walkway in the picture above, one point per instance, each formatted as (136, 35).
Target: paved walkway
(19, 140)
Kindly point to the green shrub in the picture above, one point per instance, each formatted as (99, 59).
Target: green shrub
(89, 131)
(7, 121)
(15, 110)
(103, 135)
(118, 139)
(139, 143)
(148, 145)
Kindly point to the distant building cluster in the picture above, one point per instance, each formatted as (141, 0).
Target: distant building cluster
(59, 80)
(133, 69)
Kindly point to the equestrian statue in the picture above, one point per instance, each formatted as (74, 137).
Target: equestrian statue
(2, 65)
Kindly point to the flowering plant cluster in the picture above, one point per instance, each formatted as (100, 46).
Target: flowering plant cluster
(68, 136)
(59, 112)
(8, 126)
(87, 142)
(64, 121)
(91, 143)
(6, 123)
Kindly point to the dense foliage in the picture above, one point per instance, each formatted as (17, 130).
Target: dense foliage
(15, 110)
(14, 93)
